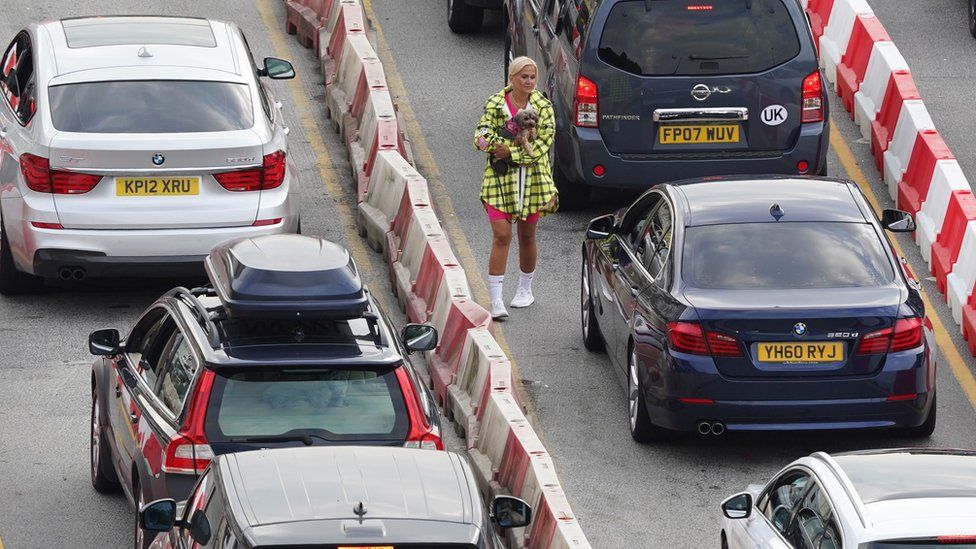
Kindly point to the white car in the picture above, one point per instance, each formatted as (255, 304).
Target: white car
(877, 499)
(133, 145)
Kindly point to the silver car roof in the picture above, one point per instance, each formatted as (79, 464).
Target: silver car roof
(287, 485)
(76, 48)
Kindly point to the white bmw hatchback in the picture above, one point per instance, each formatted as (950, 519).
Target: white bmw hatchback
(877, 499)
(133, 145)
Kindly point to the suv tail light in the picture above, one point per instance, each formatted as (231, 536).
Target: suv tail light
(269, 176)
(689, 337)
(813, 110)
(421, 434)
(586, 103)
(907, 334)
(189, 451)
(39, 177)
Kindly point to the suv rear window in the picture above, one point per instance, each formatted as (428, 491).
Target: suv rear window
(332, 405)
(784, 256)
(689, 38)
(151, 106)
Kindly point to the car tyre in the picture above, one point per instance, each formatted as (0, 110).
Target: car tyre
(463, 18)
(926, 429)
(139, 538)
(972, 18)
(641, 427)
(103, 476)
(12, 280)
(592, 339)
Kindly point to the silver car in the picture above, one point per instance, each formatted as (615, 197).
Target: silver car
(133, 145)
(877, 499)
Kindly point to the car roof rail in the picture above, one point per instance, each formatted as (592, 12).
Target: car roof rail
(846, 483)
(189, 297)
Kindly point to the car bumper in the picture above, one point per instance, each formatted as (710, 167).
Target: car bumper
(174, 252)
(584, 148)
(800, 404)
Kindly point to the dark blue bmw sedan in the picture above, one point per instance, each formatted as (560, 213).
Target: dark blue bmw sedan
(771, 303)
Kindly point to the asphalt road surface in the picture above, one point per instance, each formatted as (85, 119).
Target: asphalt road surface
(624, 494)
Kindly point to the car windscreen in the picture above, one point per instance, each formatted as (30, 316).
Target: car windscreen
(327, 404)
(784, 256)
(151, 106)
(688, 38)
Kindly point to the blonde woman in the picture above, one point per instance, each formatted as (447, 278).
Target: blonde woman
(517, 185)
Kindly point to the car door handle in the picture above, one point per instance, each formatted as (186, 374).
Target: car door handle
(535, 29)
(634, 291)
(133, 417)
(615, 265)
(118, 390)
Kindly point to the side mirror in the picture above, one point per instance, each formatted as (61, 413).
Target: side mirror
(898, 221)
(600, 228)
(104, 342)
(509, 512)
(200, 528)
(738, 506)
(419, 337)
(277, 69)
(158, 516)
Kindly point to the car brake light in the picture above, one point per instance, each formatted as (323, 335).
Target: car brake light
(586, 103)
(269, 176)
(46, 225)
(421, 434)
(907, 334)
(688, 337)
(189, 451)
(812, 98)
(699, 7)
(39, 177)
(266, 222)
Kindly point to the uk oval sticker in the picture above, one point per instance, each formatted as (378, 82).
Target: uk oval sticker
(773, 115)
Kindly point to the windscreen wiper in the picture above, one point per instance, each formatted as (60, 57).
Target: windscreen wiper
(305, 439)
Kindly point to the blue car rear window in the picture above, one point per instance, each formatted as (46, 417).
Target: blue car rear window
(151, 106)
(784, 256)
(690, 38)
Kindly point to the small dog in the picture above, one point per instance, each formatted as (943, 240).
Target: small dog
(527, 120)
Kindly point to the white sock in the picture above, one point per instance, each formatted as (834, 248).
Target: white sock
(495, 287)
(525, 280)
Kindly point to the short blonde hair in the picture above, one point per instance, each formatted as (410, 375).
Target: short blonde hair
(516, 65)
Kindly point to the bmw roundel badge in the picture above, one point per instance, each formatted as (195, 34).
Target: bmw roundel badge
(799, 328)
(158, 159)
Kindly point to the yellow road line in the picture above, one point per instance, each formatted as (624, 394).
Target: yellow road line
(330, 177)
(427, 165)
(1, 544)
(950, 352)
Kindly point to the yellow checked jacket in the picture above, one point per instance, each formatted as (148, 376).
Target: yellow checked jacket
(519, 192)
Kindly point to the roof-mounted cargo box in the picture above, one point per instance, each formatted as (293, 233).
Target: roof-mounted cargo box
(286, 276)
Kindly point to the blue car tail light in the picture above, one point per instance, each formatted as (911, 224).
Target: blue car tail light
(906, 334)
(688, 337)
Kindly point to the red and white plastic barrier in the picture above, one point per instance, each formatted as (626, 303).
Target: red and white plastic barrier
(390, 177)
(837, 34)
(357, 54)
(948, 177)
(962, 279)
(914, 118)
(913, 189)
(885, 59)
(945, 251)
(819, 13)
(854, 63)
(901, 88)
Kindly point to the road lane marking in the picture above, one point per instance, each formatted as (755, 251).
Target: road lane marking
(426, 163)
(313, 132)
(949, 350)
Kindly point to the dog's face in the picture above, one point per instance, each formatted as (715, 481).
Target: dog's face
(527, 118)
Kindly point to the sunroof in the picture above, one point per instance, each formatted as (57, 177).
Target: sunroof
(919, 474)
(137, 30)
